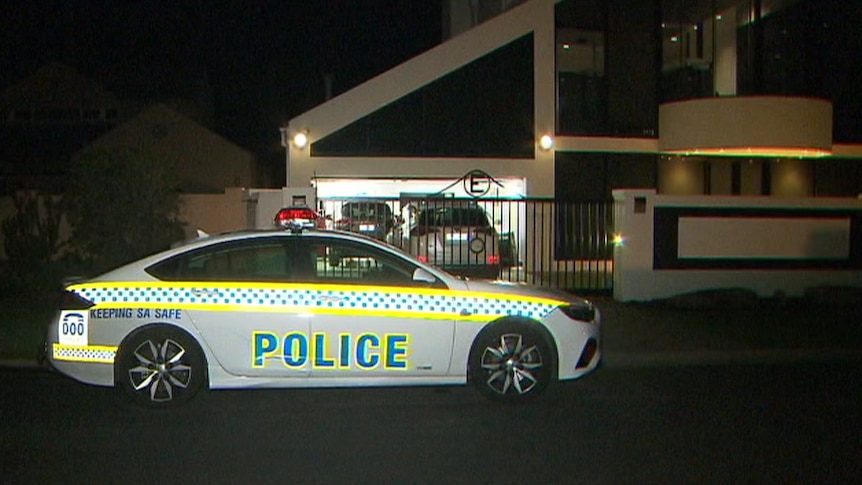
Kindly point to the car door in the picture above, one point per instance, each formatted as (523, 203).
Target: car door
(252, 321)
(372, 318)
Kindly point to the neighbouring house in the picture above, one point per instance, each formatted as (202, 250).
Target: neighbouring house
(206, 162)
(49, 117)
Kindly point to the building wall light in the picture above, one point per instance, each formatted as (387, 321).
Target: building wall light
(300, 140)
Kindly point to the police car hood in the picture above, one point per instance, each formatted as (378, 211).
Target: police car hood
(522, 289)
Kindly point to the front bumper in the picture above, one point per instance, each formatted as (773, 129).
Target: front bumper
(579, 344)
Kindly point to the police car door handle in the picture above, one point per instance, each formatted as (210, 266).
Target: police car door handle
(465, 312)
(199, 292)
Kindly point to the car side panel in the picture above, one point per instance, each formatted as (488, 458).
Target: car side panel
(249, 343)
(392, 346)
(107, 324)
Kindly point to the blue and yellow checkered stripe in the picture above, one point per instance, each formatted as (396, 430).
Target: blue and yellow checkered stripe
(84, 353)
(326, 299)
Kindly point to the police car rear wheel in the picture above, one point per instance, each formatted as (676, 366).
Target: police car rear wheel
(511, 362)
(160, 366)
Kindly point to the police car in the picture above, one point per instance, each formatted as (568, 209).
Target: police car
(265, 309)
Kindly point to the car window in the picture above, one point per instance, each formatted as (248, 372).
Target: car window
(247, 260)
(365, 210)
(454, 216)
(289, 260)
(346, 262)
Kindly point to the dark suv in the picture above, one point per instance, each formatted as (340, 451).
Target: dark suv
(372, 218)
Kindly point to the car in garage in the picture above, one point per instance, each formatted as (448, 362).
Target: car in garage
(372, 218)
(457, 237)
(265, 309)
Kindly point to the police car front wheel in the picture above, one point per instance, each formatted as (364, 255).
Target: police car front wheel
(511, 362)
(160, 366)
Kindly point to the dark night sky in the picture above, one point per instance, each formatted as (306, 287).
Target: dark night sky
(262, 61)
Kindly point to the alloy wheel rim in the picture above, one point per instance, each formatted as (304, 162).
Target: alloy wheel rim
(512, 367)
(161, 370)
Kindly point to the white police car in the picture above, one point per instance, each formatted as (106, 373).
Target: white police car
(266, 309)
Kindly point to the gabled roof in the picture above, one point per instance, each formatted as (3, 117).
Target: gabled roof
(54, 86)
(205, 160)
(531, 16)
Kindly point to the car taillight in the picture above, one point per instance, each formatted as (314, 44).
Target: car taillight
(493, 259)
(70, 300)
(423, 258)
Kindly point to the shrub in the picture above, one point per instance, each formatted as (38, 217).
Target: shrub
(32, 243)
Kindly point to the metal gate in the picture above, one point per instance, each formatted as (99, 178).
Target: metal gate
(538, 241)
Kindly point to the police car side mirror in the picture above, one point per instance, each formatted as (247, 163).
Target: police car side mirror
(423, 276)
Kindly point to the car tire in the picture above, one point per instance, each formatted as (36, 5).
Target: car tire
(511, 361)
(160, 366)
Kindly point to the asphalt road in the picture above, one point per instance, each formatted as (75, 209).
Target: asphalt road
(737, 422)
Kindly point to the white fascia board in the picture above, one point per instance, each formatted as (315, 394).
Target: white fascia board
(431, 167)
(605, 144)
(847, 150)
(421, 70)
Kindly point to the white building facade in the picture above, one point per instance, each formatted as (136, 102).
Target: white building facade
(572, 99)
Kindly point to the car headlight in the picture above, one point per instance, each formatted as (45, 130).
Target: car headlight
(583, 311)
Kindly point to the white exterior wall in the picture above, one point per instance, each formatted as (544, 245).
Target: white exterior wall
(215, 213)
(784, 238)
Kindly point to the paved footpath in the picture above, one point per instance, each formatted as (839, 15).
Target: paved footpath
(681, 333)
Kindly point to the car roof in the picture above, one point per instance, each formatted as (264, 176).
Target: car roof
(137, 268)
(457, 215)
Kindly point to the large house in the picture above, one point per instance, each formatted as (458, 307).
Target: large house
(573, 98)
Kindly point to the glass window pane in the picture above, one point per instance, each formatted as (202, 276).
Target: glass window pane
(458, 115)
(336, 261)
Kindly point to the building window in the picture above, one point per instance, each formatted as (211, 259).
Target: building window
(607, 65)
(484, 109)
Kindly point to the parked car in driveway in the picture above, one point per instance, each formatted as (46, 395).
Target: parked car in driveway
(371, 218)
(457, 237)
(258, 309)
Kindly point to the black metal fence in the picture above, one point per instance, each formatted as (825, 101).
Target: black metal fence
(537, 241)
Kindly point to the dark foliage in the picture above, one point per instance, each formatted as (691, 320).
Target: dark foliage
(122, 204)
